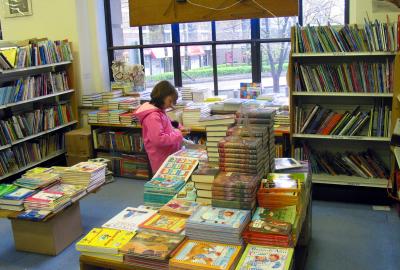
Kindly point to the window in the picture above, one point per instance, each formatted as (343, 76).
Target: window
(216, 55)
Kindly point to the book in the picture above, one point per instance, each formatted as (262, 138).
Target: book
(165, 223)
(205, 255)
(204, 174)
(236, 180)
(286, 163)
(217, 120)
(129, 219)
(179, 207)
(33, 214)
(266, 258)
(17, 196)
(177, 168)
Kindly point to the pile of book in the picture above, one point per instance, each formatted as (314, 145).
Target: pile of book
(126, 165)
(222, 225)
(235, 190)
(129, 219)
(115, 116)
(92, 100)
(123, 103)
(159, 191)
(216, 128)
(12, 197)
(74, 192)
(203, 179)
(187, 193)
(88, 174)
(108, 96)
(93, 117)
(193, 112)
(36, 180)
(128, 119)
(282, 118)
(186, 93)
(373, 36)
(324, 121)
(104, 243)
(180, 208)
(46, 200)
(103, 116)
(118, 141)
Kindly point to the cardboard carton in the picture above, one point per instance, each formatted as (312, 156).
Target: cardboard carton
(79, 142)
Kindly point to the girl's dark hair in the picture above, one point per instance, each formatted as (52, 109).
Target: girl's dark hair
(162, 90)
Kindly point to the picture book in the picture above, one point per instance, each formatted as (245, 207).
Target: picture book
(286, 163)
(177, 168)
(165, 185)
(129, 219)
(34, 215)
(18, 194)
(152, 244)
(179, 207)
(7, 188)
(166, 223)
(265, 258)
(221, 217)
(199, 154)
(205, 255)
(187, 193)
(286, 214)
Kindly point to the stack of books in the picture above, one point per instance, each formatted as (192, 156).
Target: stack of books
(235, 190)
(179, 207)
(203, 179)
(114, 116)
(90, 99)
(104, 243)
(107, 96)
(13, 199)
(206, 255)
(216, 128)
(123, 103)
(151, 249)
(92, 117)
(36, 180)
(272, 227)
(74, 192)
(103, 116)
(129, 219)
(186, 93)
(187, 193)
(88, 174)
(47, 201)
(192, 113)
(159, 191)
(128, 119)
(221, 225)
(165, 223)
(266, 257)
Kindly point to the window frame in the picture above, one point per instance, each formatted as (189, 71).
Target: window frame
(255, 43)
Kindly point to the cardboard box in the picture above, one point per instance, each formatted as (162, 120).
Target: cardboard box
(79, 142)
(48, 237)
(72, 159)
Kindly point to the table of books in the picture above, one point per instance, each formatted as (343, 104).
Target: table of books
(45, 215)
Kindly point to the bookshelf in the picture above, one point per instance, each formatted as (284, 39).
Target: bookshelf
(338, 82)
(43, 100)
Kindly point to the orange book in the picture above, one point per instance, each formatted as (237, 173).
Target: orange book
(332, 123)
(165, 223)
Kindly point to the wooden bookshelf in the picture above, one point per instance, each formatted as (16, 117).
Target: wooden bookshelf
(343, 94)
(345, 180)
(342, 54)
(338, 137)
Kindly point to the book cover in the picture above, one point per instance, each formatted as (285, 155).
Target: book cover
(236, 180)
(265, 258)
(179, 207)
(129, 219)
(286, 163)
(177, 168)
(205, 255)
(221, 217)
(165, 223)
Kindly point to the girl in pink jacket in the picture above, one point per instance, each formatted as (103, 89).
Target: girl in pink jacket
(160, 138)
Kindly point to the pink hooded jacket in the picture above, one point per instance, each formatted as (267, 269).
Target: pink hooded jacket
(160, 138)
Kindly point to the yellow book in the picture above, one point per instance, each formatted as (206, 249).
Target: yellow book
(165, 223)
(104, 240)
(120, 239)
(10, 54)
(105, 257)
(88, 238)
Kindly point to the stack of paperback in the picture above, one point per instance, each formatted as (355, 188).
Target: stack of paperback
(92, 117)
(192, 113)
(114, 116)
(129, 219)
(90, 99)
(104, 243)
(266, 257)
(203, 179)
(47, 201)
(165, 223)
(123, 103)
(221, 225)
(128, 119)
(13, 198)
(186, 93)
(74, 192)
(179, 207)
(272, 227)
(103, 116)
(88, 174)
(216, 128)
(235, 190)
(187, 193)
(151, 249)
(206, 255)
(36, 180)
(107, 96)
(159, 191)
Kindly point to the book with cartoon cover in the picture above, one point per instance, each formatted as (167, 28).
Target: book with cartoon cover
(152, 244)
(179, 207)
(187, 193)
(166, 223)
(129, 219)
(177, 168)
(164, 185)
(219, 217)
(265, 258)
(205, 255)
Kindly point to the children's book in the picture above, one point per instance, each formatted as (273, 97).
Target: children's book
(281, 182)
(177, 168)
(265, 258)
(129, 219)
(34, 215)
(152, 244)
(286, 163)
(16, 197)
(187, 193)
(179, 208)
(164, 185)
(166, 223)
(221, 217)
(6, 189)
(205, 255)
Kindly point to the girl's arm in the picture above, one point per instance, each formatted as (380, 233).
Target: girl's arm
(156, 133)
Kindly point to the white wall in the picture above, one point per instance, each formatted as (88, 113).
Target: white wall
(360, 8)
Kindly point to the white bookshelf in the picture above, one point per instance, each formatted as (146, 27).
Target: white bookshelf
(338, 137)
(345, 180)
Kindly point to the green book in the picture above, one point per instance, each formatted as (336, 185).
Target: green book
(7, 188)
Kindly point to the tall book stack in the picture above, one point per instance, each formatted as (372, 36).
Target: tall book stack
(123, 103)
(92, 100)
(107, 96)
(114, 116)
(216, 128)
(192, 113)
(235, 190)
(12, 197)
(203, 179)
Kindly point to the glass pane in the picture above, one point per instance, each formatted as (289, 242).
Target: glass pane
(157, 34)
(192, 32)
(233, 30)
(131, 56)
(323, 11)
(122, 33)
(275, 61)
(158, 63)
(276, 27)
(197, 68)
(234, 67)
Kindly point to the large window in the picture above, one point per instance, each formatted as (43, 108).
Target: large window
(215, 55)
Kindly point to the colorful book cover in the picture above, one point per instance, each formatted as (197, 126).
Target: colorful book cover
(18, 194)
(7, 188)
(129, 219)
(283, 182)
(152, 244)
(165, 223)
(34, 214)
(265, 258)
(179, 207)
(177, 168)
(221, 217)
(187, 193)
(200, 154)
(205, 255)
(159, 184)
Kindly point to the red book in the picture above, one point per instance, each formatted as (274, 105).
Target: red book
(332, 123)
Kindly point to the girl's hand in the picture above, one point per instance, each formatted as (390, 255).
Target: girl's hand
(185, 131)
